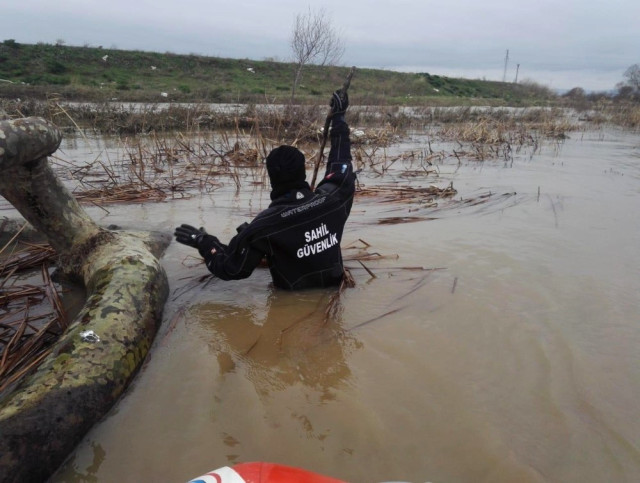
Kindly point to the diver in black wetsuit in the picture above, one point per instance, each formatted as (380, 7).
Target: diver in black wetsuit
(300, 232)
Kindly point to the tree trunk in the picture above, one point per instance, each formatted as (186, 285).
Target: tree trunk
(296, 81)
(45, 417)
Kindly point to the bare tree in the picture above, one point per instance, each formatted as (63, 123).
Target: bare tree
(314, 41)
(632, 74)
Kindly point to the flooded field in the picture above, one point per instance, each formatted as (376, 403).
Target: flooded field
(494, 338)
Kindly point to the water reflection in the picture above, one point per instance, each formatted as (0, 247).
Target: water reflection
(291, 341)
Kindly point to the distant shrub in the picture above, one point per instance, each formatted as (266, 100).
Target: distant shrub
(58, 80)
(575, 93)
(56, 67)
(535, 89)
(11, 43)
(436, 81)
(597, 96)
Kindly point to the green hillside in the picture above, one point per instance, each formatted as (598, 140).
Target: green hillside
(95, 73)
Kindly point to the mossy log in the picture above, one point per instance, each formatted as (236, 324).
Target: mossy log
(48, 413)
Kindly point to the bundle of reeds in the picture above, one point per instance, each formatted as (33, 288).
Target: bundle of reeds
(31, 316)
(120, 194)
(158, 168)
(407, 194)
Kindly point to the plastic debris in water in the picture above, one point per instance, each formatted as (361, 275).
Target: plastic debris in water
(89, 336)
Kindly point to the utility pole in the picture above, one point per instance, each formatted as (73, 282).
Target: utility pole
(506, 61)
(517, 70)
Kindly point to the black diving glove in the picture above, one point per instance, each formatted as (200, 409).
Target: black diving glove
(189, 235)
(198, 239)
(339, 104)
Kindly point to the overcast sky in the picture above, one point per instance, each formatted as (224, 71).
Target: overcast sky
(560, 44)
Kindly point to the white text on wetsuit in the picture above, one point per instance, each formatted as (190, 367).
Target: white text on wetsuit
(327, 241)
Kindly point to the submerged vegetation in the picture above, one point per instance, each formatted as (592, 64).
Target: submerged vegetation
(156, 161)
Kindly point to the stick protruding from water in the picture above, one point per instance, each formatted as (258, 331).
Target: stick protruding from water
(327, 123)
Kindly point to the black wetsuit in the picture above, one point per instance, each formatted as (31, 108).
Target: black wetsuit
(300, 232)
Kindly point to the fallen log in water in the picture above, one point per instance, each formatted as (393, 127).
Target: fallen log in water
(46, 415)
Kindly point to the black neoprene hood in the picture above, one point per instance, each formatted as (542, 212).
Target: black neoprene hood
(285, 164)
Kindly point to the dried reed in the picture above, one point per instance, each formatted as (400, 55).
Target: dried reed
(31, 316)
(156, 168)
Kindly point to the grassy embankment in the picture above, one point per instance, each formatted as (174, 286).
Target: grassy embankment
(93, 74)
(98, 74)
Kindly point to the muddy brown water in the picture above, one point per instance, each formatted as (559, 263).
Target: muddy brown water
(516, 360)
